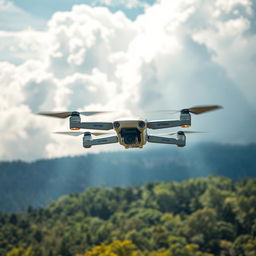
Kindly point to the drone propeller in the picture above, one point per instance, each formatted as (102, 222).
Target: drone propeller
(67, 114)
(202, 109)
(81, 133)
(195, 110)
(173, 133)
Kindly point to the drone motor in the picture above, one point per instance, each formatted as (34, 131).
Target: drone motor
(74, 120)
(181, 139)
(185, 116)
(87, 140)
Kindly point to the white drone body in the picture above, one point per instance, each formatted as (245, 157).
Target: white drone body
(130, 133)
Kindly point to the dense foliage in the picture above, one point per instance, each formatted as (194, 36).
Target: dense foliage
(197, 217)
(23, 184)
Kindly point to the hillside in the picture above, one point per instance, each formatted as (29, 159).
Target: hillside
(35, 184)
(213, 216)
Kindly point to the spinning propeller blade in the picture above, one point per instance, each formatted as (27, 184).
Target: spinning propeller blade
(56, 114)
(92, 113)
(194, 110)
(202, 109)
(70, 133)
(81, 133)
(67, 114)
(173, 133)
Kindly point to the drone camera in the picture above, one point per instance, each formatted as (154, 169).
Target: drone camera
(130, 135)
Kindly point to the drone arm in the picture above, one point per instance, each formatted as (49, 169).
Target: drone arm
(95, 125)
(105, 140)
(167, 124)
(162, 140)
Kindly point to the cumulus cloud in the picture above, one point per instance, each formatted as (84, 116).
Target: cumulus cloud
(177, 54)
(127, 4)
(230, 39)
(17, 47)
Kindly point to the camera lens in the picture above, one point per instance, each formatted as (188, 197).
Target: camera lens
(129, 139)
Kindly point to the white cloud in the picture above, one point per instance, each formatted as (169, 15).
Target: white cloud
(177, 54)
(124, 3)
(228, 6)
(17, 47)
(233, 45)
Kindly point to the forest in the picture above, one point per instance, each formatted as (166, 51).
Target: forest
(214, 216)
(36, 183)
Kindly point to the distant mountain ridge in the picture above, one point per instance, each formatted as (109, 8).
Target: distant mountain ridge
(35, 184)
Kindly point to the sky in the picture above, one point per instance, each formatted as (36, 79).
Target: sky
(129, 56)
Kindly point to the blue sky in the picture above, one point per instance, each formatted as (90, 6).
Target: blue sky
(45, 9)
(132, 56)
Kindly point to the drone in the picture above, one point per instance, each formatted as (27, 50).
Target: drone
(131, 133)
